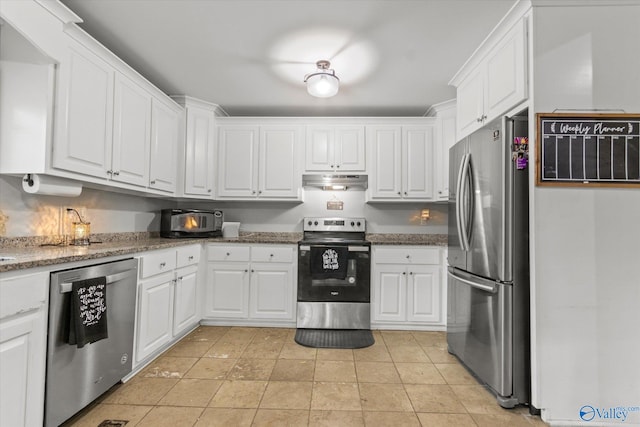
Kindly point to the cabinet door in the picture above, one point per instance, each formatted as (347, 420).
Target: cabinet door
(228, 290)
(350, 149)
(278, 165)
(198, 178)
(185, 307)
(319, 153)
(22, 362)
(84, 114)
(131, 132)
(237, 161)
(423, 293)
(271, 291)
(385, 179)
(155, 314)
(390, 289)
(470, 102)
(417, 161)
(164, 141)
(506, 73)
(446, 141)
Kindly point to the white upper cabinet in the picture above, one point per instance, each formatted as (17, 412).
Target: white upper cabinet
(85, 114)
(164, 142)
(237, 161)
(445, 114)
(339, 148)
(258, 162)
(131, 132)
(402, 159)
(279, 175)
(198, 178)
(196, 170)
(493, 81)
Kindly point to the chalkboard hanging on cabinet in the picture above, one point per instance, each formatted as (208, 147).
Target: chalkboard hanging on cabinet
(577, 149)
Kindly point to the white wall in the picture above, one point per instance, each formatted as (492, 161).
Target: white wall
(287, 217)
(36, 215)
(586, 241)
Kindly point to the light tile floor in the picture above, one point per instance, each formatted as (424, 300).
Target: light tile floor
(233, 376)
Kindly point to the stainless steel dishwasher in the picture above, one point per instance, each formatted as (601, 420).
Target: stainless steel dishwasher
(77, 376)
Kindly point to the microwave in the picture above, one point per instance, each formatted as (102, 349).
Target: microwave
(175, 223)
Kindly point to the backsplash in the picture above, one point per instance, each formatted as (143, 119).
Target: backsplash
(28, 215)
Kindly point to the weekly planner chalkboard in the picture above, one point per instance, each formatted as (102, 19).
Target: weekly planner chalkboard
(588, 149)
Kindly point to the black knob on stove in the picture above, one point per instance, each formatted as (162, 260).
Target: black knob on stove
(315, 222)
(309, 223)
(358, 223)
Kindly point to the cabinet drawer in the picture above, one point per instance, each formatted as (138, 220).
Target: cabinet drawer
(157, 262)
(23, 293)
(272, 254)
(228, 253)
(188, 255)
(407, 255)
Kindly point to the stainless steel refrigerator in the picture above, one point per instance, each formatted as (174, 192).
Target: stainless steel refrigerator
(488, 257)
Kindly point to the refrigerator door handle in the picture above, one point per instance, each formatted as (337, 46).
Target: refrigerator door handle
(459, 185)
(487, 288)
(464, 213)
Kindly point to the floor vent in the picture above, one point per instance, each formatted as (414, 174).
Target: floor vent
(113, 423)
(334, 338)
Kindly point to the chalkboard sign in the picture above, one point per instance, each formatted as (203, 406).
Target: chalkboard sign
(588, 149)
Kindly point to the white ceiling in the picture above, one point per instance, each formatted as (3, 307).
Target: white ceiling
(393, 57)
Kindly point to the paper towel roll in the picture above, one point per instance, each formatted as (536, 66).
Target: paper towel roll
(50, 186)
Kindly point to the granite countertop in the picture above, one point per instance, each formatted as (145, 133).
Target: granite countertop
(28, 253)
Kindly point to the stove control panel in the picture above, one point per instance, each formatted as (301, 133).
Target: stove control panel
(334, 224)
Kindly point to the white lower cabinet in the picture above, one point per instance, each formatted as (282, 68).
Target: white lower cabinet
(23, 335)
(407, 287)
(251, 282)
(167, 298)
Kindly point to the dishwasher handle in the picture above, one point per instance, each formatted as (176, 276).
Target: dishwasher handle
(67, 286)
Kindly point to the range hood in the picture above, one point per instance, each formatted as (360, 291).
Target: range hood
(335, 182)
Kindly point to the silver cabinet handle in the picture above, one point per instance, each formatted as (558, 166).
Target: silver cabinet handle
(116, 173)
(228, 253)
(153, 182)
(163, 264)
(404, 273)
(209, 191)
(408, 256)
(405, 193)
(399, 193)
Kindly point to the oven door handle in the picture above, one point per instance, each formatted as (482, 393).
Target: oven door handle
(351, 248)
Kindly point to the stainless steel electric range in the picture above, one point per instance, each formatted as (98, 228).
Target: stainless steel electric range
(334, 283)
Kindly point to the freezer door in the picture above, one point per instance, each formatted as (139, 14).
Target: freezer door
(479, 328)
(457, 256)
(488, 191)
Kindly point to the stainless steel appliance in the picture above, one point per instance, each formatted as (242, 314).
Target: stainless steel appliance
(488, 273)
(77, 376)
(175, 223)
(343, 300)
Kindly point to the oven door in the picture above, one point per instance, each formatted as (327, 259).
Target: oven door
(354, 287)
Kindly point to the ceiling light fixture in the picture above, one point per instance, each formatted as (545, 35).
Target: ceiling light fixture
(323, 83)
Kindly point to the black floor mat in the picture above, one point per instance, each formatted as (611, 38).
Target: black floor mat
(334, 338)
